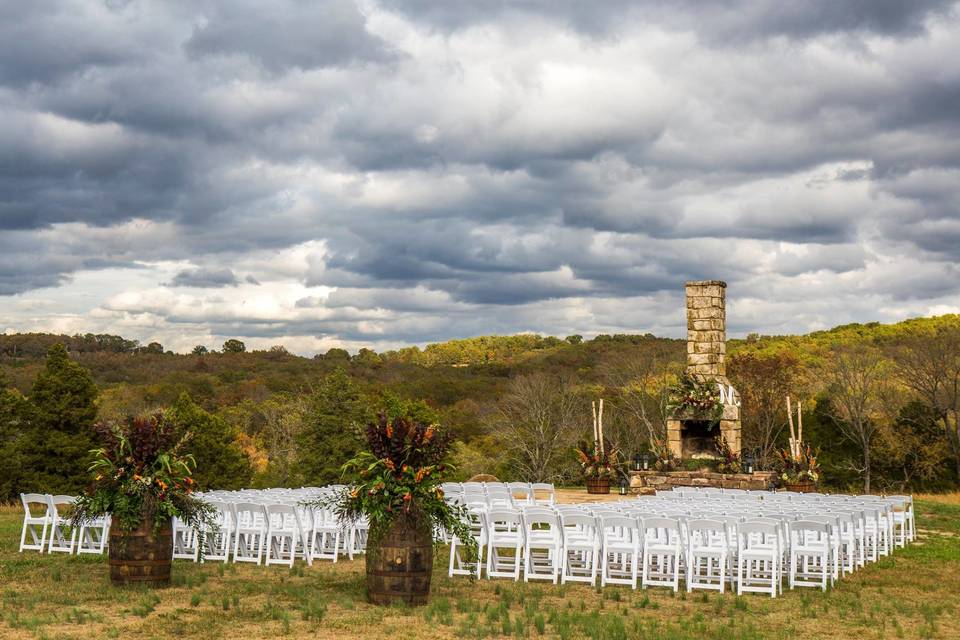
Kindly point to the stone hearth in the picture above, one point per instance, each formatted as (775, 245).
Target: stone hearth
(649, 481)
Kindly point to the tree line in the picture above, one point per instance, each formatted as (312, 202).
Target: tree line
(880, 401)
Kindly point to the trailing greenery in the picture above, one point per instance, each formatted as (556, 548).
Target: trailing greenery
(397, 479)
(141, 475)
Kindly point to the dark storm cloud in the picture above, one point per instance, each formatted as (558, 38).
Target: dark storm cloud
(442, 178)
(205, 277)
(291, 34)
(743, 19)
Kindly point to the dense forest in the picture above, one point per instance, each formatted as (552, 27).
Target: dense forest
(881, 402)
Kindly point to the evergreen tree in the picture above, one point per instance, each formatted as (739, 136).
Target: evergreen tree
(221, 463)
(12, 411)
(55, 449)
(328, 437)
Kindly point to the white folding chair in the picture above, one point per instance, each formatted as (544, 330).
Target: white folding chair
(662, 552)
(622, 550)
(325, 536)
(94, 535)
(283, 534)
(581, 548)
(217, 540)
(708, 549)
(543, 543)
(63, 533)
(504, 534)
(34, 524)
(185, 541)
(543, 493)
(459, 564)
(810, 551)
(250, 533)
(758, 558)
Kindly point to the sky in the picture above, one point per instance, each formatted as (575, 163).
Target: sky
(331, 173)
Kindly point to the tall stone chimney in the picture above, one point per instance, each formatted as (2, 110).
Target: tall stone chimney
(707, 329)
(706, 361)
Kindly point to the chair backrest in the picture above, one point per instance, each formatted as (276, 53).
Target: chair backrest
(760, 528)
(618, 522)
(250, 514)
(581, 520)
(54, 502)
(658, 524)
(504, 516)
(39, 499)
(801, 528)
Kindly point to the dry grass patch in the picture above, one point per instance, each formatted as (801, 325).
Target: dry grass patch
(910, 595)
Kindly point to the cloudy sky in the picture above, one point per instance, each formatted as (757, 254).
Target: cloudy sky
(321, 173)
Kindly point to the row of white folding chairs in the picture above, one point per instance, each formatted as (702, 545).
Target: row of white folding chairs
(898, 511)
(876, 520)
(270, 533)
(903, 504)
(810, 549)
(502, 493)
(47, 527)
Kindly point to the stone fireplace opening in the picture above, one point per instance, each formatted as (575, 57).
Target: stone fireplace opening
(697, 439)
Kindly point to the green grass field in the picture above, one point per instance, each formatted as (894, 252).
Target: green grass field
(914, 594)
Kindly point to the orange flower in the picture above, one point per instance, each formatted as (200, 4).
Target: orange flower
(407, 497)
(428, 435)
(353, 493)
(388, 463)
(389, 430)
(421, 473)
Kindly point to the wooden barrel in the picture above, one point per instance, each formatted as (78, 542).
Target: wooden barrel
(805, 486)
(400, 564)
(141, 556)
(598, 485)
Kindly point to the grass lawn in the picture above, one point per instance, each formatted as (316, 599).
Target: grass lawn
(914, 594)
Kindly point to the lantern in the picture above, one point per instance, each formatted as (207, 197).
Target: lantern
(748, 462)
(624, 486)
(637, 462)
(646, 461)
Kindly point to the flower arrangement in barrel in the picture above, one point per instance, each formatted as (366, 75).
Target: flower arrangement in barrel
(601, 460)
(799, 462)
(800, 466)
(141, 474)
(399, 476)
(694, 398)
(597, 461)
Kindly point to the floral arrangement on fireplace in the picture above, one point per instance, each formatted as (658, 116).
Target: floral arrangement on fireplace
(801, 467)
(729, 461)
(665, 460)
(694, 398)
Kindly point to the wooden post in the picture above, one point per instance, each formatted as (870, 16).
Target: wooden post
(799, 430)
(793, 435)
(600, 425)
(593, 409)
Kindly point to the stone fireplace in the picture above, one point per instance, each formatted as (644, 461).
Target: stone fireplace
(706, 353)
